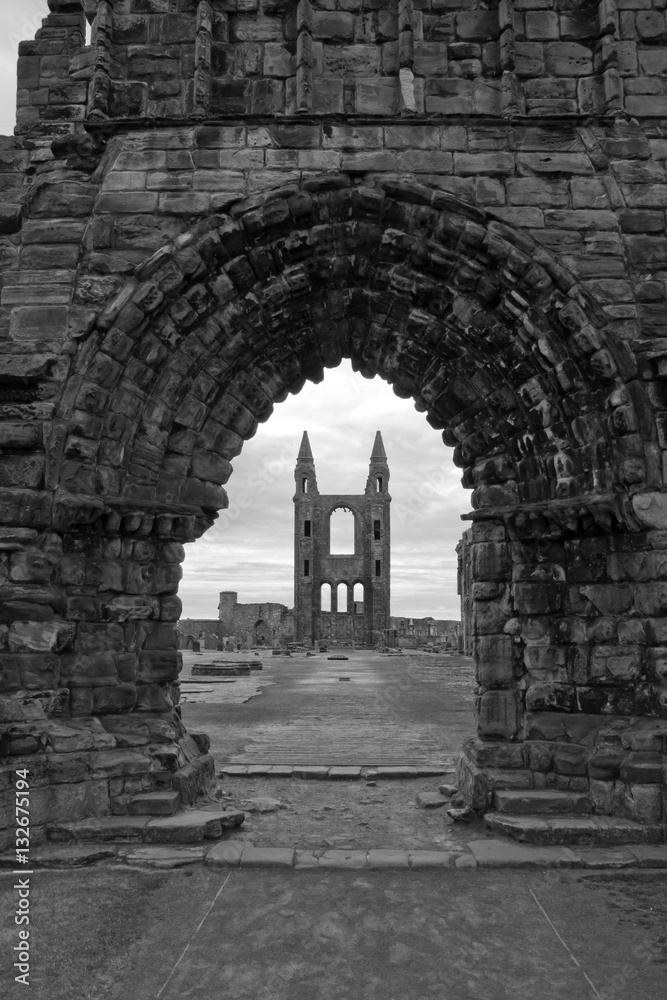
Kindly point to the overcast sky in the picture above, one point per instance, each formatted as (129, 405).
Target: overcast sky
(250, 548)
(19, 21)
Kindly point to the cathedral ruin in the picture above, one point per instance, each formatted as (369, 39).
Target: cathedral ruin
(212, 202)
(357, 583)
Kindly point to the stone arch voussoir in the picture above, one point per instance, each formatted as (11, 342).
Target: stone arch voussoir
(411, 284)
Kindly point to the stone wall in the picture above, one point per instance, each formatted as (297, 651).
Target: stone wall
(441, 631)
(189, 232)
(537, 57)
(266, 624)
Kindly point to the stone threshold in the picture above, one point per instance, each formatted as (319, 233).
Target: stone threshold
(334, 772)
(487, 853)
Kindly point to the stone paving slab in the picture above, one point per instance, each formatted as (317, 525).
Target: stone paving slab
(608, 857)
(649, 855)
(314, 772)
(397, 772)
(99, 828)
(344, 859)
(388, 859)
(344, 773)
(267, 857)
(163, 857)
(306, 859)
(64, 855)
(498, 854)
(487, 853)
(330, 772)
(225, 854)
(430, 859)
(465, 861)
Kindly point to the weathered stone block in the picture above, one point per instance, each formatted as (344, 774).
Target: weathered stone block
(553, 163)
(570, 759)
(158, 665)
(498, 714)
(604, 764)
(333, 26)
(539, 192)
(538, 598)
(642, 768)
(494, 661)
(117, 698)
(495, 755)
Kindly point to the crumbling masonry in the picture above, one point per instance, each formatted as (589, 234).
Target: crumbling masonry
(215, 201)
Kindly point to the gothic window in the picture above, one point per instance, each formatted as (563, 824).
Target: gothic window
(341, 598)
(358, 599)
(341, 532)
(376, 531)
(378, 484)
(325, 597)
(304, 485)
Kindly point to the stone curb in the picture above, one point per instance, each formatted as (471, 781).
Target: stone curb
(488, 853)
(333, 772)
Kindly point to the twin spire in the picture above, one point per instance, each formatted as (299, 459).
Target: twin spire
(305, 456)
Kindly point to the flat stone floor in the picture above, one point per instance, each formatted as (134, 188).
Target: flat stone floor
(412, 709)
(109, 934)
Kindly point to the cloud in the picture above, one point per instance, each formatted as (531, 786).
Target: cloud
(250, 549)
(20, 20)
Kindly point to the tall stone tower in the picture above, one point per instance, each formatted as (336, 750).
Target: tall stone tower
(357, 582)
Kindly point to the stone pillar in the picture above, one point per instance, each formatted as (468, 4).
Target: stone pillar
(89, 663)
(497, 706)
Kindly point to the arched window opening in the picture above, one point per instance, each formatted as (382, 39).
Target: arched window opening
(341, 527)
(325, 597)
(89, 32)
(306, 567)
(341, 598)
(378, 484)
(304, 485)
(306, 529)
(376, 531)
(378, 567)
(358, 599)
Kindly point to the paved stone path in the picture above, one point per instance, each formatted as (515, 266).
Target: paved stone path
(410, 710)
(231, 853)
(111, 934)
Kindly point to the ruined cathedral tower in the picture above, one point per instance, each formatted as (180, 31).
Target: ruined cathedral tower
(341, 597)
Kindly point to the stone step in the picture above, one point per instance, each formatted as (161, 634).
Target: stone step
(239, 670)
(186, 827)
(154, 803)
(564, 829)
(541, 801)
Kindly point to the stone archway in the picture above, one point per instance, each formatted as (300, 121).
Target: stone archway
(502, 349)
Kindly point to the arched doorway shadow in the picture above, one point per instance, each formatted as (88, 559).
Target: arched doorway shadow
(506, 353)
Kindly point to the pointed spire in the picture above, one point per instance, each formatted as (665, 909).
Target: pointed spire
(305, 454)
(378, 454)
